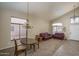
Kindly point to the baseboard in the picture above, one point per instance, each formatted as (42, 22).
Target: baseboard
(6, 48)
(74, 40)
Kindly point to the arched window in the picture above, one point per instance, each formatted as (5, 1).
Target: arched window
(57, 28)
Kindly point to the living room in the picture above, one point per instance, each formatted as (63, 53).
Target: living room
(43, 17)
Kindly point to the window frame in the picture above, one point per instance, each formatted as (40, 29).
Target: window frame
(15, 24)
(56, 31)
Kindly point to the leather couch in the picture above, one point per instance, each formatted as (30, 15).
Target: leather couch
(45, 36)
(59, 36)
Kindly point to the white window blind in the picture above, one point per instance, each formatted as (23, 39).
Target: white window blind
(18, 30)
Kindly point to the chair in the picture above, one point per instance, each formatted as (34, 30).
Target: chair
(19, 48)
(37, 38)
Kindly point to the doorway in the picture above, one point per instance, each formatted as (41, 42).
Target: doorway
(74, 29)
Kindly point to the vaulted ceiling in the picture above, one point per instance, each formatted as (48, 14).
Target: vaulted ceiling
(47, 10)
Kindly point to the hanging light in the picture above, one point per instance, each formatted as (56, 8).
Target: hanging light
(74, 13)
(26, 25)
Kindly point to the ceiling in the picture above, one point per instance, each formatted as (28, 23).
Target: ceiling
(46, 10)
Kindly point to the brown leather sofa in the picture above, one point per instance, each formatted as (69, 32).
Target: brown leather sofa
(59, 36)
(45, 36)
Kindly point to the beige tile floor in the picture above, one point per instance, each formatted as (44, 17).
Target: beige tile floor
(52, 47)
(68, 48)
(58, 48)
(47, 48)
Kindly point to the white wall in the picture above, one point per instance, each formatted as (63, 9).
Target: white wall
(39, 25)
(65, 19)
(5, 36)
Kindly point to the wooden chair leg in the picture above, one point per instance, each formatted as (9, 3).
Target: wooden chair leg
(34, 47)
(30, 46)
(25, 52)
(38, 45)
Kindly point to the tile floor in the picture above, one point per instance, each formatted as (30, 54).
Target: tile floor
(52, 47)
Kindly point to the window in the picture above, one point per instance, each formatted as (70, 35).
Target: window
(74, 20)
(18, 30)
(57, 27)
